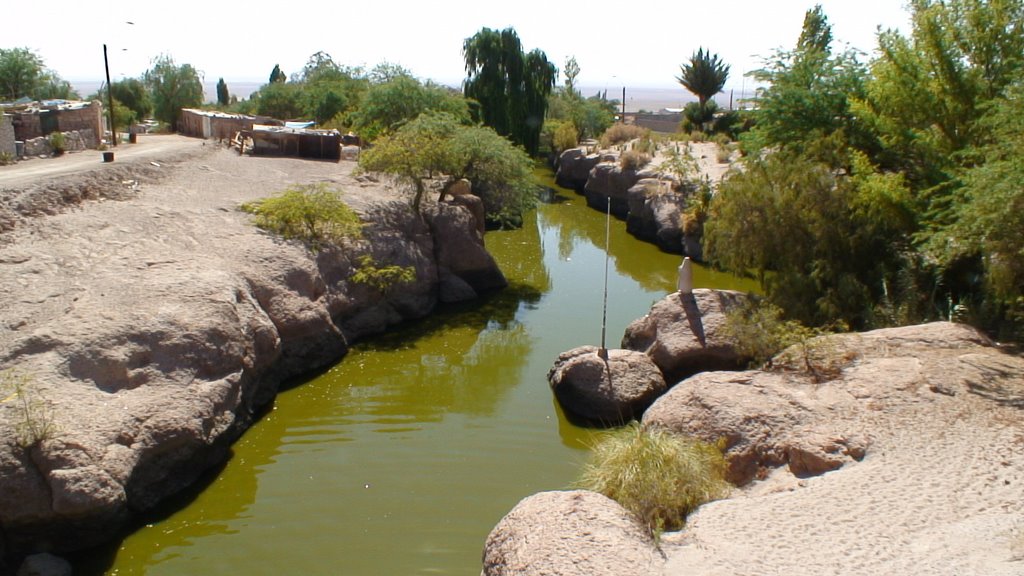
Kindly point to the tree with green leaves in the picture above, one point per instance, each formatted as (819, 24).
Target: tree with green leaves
(20, 72)
(282, 100)
(223, 96)
(571, 71)
(276, 75)
(329, 89)
(704, 76)
(173, 88)
(825, 244)
(512, 87)
(132, 93)
(390, 104)
(438, 146)
(988, 220)
(810, 92)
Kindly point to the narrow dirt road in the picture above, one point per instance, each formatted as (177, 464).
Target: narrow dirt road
(153, 147)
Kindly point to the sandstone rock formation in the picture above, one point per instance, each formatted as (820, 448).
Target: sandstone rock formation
(575, 533)
(655, 213)
(152, 330)
(815, 422)
(607, 392)
(684, 335)
(573, 169)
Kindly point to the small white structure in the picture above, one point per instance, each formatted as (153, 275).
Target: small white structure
(685, 282)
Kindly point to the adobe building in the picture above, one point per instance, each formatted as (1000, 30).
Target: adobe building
(38, 119)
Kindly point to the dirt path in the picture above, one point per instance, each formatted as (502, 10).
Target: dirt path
(150, 147)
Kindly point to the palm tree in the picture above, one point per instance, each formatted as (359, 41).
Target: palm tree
(704, 76)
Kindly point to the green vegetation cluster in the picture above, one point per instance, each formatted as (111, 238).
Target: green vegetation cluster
(438, 149)
(313, 213)
(887, 192)
(658, 476)
(23, 74)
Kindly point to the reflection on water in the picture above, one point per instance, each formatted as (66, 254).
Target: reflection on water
(402, 457)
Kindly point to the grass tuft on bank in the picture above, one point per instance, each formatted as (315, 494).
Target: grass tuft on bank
(658, 476)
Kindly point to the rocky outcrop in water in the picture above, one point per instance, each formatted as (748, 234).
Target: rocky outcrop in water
(145, 335)
(574, 533)
(684, 334)
(655, 213)
(606, 391)
(647, 199)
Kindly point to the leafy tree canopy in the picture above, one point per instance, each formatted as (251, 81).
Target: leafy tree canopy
(390, 104)
(22, 73)
(173, 88)
(511, 86)
(439, 146)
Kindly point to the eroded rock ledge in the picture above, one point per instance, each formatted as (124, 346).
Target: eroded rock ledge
(869, 389)
(153, 330)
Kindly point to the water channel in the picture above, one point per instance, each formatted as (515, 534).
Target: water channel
(401, 458)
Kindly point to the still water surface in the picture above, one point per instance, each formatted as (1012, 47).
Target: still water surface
(401, 458)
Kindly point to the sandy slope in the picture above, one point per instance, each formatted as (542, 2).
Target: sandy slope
(941, 492)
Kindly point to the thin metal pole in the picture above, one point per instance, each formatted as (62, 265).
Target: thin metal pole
(110, 97)
(607, 244)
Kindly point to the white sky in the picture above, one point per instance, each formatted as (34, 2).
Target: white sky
(615, 43)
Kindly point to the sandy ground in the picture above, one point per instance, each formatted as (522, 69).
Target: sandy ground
(92, 254)
(941, 492)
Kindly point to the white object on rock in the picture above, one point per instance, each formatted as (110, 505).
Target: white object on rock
(685, 282)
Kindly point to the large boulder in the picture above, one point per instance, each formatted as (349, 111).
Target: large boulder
(576, 533)
(609, 180)
(810, 412)
(459, 245)
(655, 212)
(573, 169)
(605, 391)
(684, 334)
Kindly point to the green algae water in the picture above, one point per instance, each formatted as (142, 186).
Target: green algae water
(401, 458)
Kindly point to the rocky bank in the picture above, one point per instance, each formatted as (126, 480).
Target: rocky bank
(648, 199)
(896, 451)
(149, 322)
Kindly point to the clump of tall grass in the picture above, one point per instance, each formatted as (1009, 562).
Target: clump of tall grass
(658, 476)
(620, 133)
(633, 160)
(34, 419)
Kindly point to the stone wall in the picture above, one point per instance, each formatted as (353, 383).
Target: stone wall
(28, 125)
(73, 142)
(668, 123)
(7, 134)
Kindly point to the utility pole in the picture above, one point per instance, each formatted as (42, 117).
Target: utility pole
(110, 97)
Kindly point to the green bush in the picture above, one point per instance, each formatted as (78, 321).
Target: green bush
(759, 332)
(382, 278)
(6, 158)
(658, 476)
(57, 142)
(565, 137)
(312, 213)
